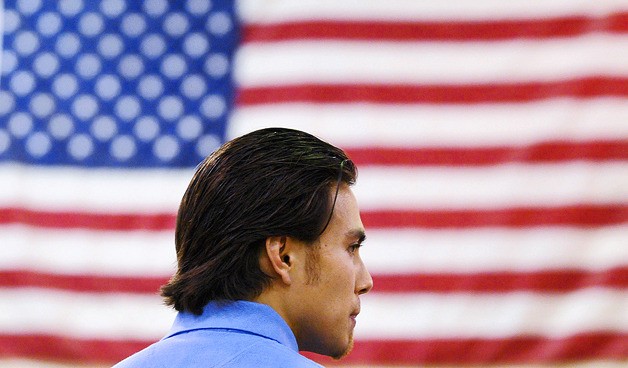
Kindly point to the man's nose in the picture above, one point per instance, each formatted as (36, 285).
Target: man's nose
(365, 281)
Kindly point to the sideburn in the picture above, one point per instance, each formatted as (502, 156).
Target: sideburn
(312, 263)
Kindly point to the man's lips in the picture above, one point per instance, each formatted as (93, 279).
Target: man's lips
(355, 312)
(354, 315)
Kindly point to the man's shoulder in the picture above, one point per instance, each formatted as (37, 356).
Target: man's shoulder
(211, 348)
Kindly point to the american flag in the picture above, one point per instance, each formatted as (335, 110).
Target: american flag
(491, 138)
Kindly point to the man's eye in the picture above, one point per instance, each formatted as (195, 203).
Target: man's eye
(353, 248)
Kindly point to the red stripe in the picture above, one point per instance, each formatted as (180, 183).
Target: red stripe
(514, 350)
(575, 215)
(538, 153)
(588, 87)
(553, 281)
(88, 220)
(521, 350)
(81, 283)
(435, 31)
(68, 349)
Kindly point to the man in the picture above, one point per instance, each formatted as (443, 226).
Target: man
(267, 239)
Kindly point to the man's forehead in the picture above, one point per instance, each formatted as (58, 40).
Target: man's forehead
(346, 219)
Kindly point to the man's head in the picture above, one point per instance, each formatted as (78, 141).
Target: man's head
(258, 222)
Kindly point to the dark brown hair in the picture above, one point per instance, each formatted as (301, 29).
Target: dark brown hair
(271, 182)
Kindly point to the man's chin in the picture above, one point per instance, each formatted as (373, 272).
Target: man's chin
(346, 351)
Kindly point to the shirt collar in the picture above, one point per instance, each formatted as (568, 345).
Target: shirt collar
(249, 317)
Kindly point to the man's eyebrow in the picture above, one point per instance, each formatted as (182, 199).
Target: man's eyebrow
(357, 233)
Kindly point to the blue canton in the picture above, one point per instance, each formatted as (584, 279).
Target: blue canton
(115, 83)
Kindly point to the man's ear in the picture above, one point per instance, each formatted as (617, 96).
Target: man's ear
(277, 260)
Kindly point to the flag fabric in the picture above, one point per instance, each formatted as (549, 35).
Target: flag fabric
(491, 139)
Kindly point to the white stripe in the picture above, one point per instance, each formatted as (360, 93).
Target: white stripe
(84, 315)
(378, 187)
(140, 254)
(288, 10)
(383, 316)
(410, 63)
(385, 251)
(492, 316)
(501, 186)
(425, 125)
(493, 250)
(99, 190)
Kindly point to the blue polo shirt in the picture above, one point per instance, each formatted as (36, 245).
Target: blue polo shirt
(232, 334)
